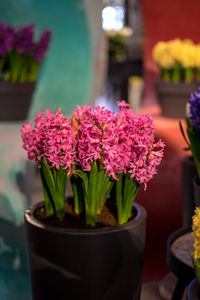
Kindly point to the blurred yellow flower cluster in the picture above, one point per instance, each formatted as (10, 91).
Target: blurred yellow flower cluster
(196, 233)
(125, 32)
(184, 52)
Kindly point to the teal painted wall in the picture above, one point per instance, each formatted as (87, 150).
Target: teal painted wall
(73, 67)
(66, 76)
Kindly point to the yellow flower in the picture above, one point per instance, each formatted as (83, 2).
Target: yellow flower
(187, 56)
(163, 56)
(196, 233)
(125, 32)
(197, 55)
(184, 52)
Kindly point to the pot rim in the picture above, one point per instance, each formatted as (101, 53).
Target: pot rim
(30, 218)
(175, 264)
(191, 285)
(171, 83)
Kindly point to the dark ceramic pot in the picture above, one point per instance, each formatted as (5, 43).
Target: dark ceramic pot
(15, 99)
(174, 96)
(177, 261)
(178, 267)
(193, 291)
(188, 173)
(196, 189)
(88, 264)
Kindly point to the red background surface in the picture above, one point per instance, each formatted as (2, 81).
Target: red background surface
(164, 20)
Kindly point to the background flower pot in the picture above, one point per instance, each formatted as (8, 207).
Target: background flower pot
(196, 188)
(87, 264)
(174, 96)
(188, 173)
(15, 99)
(193, 291)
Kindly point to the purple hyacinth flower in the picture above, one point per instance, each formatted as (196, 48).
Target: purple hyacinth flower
(195, 110)
(24, 39)
(6, 39)
(42, 46)
(10, 36)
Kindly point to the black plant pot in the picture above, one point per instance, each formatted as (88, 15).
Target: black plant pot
(88, 264)
(188, 205)
(174, 96)
(179, 249)
(15, 98)
(193, 291)
(196, 189)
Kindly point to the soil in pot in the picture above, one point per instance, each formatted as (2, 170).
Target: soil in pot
(107, 218)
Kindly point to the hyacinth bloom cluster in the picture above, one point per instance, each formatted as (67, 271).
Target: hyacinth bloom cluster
(51, 145)
(194, 103)
(100, 150)
(196, 234)
(124, 142)
(51, 137)
(6, 39)
(193, 128)
(20, 55)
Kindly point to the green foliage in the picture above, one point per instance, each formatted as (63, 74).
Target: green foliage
(95, 188)
(197, 269)
(193, 142)
(117, 46)
(54, 185)
(19, 67)
(90, 189)
(126, 191)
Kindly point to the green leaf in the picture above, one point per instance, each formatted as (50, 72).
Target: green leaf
(92, 195)
(119, 196)
(105, 184)
(49, 179)
(61, 182)
(84, 177)
(183, 134)
(195, 146)
(78, 192)
(49, 207)
(130, 190)
(197, 269)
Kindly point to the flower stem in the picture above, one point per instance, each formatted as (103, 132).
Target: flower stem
(176, 73)
(126, 191)
(92, 196)
(188, 74)
(119, 196)
(77, 188)
(198, 74)
(165, 75)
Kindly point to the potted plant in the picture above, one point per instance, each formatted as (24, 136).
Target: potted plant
(192, 138)
(117, 43)
(91, 246)
(179, 65)
(193, 292)
(20, 61)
